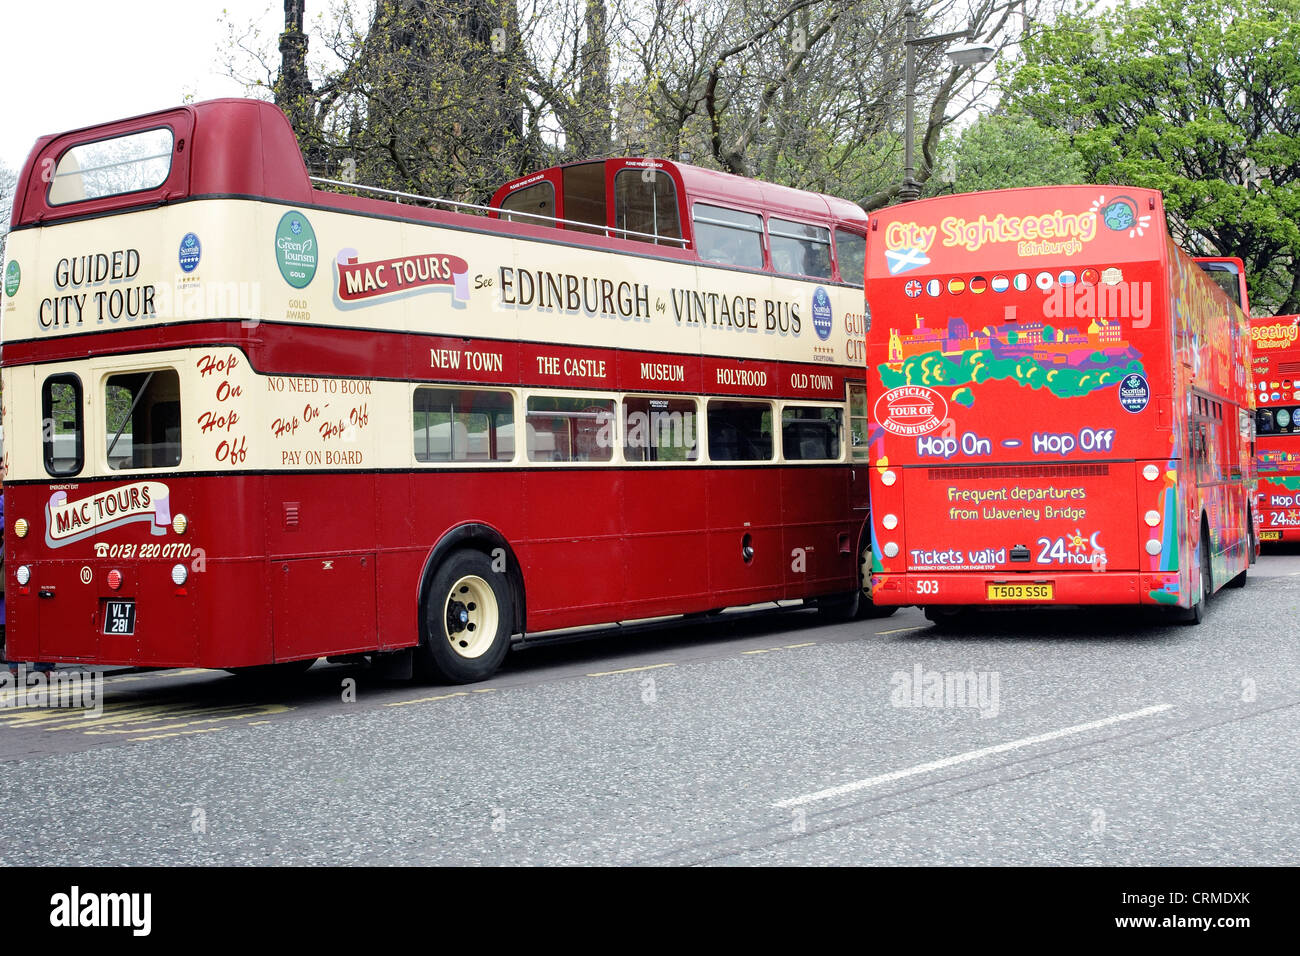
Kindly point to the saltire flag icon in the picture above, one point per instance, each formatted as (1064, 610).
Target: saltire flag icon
(934, 288)
(913, 289)
(1000, 283)
(904, 260)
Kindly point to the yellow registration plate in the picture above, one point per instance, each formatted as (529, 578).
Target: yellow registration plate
(1270, 536)
(1039, 591)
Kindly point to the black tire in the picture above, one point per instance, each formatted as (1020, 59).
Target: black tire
(467, 616)
(1239, 582)
(269, 673)
(859, 606)
(1196, 613)
(868, 608)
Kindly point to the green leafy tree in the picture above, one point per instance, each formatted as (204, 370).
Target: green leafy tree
(1004, 150)
(1197, 98)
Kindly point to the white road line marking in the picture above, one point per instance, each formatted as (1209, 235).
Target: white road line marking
(900, 630)
(968, 756)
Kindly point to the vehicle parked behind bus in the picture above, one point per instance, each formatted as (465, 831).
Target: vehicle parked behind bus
(1061, 410)
(1275, 344)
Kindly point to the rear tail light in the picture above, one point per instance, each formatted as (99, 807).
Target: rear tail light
(114, 579)
(23, 574)
(179, 574)
(20, 527)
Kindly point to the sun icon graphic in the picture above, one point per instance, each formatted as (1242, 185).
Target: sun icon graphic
(1078, 542)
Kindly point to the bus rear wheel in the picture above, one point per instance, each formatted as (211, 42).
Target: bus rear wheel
(855, 606)
(467, 615)
(1196, 613)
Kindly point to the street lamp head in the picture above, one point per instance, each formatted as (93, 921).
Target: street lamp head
(971, 54)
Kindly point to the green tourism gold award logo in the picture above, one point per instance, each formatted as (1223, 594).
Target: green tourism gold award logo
(13, 276)
(295, 249)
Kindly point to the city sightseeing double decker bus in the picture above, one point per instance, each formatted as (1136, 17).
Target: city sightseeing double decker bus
(1060, 407)
(253, 421)
(1275, 343)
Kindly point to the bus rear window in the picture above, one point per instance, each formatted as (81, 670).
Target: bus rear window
(143, 420)
(533, 204)
(111, 167)
(645, 201)
(62, 434)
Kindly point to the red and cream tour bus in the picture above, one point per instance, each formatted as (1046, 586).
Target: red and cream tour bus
(1275, 344)
(1060, 410)
(251, 421)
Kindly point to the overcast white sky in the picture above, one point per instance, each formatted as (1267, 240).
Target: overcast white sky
(71, 63)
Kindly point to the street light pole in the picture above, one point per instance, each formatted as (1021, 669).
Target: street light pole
(911, 190)
(966, 56)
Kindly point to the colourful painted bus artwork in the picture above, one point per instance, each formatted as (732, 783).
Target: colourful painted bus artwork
(1275, 344)
(254, 418)
(1061, 410)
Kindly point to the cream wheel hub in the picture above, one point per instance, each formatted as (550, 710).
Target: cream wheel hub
(470, 616)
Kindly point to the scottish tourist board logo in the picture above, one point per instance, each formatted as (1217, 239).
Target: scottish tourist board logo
(295, 249)
(190, 252)
(13, 277)
(1134, 393)
(821, 314)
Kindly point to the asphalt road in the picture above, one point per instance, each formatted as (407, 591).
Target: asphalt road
(760, 738)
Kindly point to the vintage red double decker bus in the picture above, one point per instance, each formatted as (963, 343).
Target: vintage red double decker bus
(1275, 344)
(1060, 406)
(249, 420)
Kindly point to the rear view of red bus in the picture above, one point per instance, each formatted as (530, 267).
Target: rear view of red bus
(1060, 406)
(1275, 343)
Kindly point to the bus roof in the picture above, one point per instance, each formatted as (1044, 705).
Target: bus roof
(711, 185)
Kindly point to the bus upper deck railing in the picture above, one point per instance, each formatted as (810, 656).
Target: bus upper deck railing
(510, 214)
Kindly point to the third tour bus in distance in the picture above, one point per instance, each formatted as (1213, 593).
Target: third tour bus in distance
(1060, 410)
(1276, 345)
(255, 420)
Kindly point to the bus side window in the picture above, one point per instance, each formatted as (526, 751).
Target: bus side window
(62, 433)
(562, 428)
(728, 236)
(800, 249)
(810, 433)
(660, 429)
(454, 424)
(851, 256)
(858, 422)
(646, 201)
(740, 431)
(143, 419)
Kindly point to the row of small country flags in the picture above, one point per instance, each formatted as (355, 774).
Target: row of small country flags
(999, 283)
